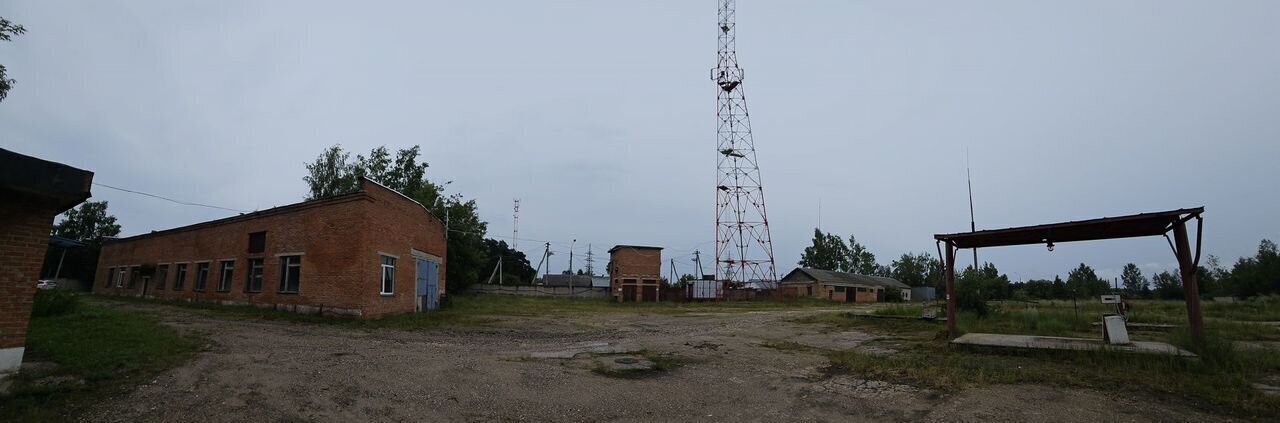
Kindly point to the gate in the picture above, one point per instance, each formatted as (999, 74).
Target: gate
(428, 285)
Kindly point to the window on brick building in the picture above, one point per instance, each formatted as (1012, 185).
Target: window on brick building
(290, 273)
(120, 277)
(134, 275)
(111, 275)
(839, 289)
(202, 275)
(162, 274)
(228, 270)
(257, 242)
(180, 278)
(253, 282)
(388, 275)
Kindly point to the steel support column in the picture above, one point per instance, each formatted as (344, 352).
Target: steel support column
(1190, 283)
(949, 272)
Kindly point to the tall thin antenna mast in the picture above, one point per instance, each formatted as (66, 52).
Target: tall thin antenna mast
(972, 227)
(515, 224)
(744, 248)
(591, 271)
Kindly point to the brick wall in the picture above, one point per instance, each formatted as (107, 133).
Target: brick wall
(397, 227)
(643, 265)
(24, 237)
(339, 241)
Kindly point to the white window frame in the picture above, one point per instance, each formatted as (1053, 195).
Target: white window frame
(120, 276)
(285, 267)
(223, 277)
(261, 267)
(180, 270)
(382, 274)
(197, 286)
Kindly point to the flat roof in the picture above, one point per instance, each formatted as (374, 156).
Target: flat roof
(360, 193)
(634, 247)
(1136, 225)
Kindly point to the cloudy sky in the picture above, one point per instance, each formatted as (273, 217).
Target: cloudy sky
(599, 114)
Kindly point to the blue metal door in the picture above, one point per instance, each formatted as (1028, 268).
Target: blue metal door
(428, 284)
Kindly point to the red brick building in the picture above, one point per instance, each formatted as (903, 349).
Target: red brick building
(32, 192)
(366, 254)
(635, 273)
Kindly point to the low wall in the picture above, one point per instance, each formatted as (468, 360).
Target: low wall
(542, 291)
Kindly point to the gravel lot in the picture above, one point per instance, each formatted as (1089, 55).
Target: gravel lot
(281, 371)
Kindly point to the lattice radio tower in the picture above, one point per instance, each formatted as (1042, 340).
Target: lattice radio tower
(744, 249)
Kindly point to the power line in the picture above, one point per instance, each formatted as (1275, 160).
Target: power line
(185, 203)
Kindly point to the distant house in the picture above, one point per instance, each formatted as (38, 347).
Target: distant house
(841, 286)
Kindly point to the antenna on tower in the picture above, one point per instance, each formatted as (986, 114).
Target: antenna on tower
(515, 223)
(972, 227)
(590, 261)
(744, 248)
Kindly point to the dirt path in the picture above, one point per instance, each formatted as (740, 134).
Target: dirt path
(278, 371)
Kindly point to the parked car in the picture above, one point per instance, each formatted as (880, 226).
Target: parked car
(46, 284)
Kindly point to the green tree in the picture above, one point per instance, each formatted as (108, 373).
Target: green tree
(1083, 282)
(1168, 286)
(1060, 289)
(516, 268)
(331, 174)
(88, 222)
(915, 269)
(7, 31)
(828, 252)
(1039, 288)
(1257, 275)
(861, 260)
(1134, 282)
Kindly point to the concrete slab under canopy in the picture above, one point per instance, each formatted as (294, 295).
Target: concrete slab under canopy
(1060, 343)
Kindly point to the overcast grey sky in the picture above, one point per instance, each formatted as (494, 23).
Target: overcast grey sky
(599, 114)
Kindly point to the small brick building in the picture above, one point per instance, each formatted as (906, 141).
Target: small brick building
(366, 254)
(32, 192)
(841, 286)
(635, 273)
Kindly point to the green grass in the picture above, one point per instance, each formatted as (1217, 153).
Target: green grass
(1219, 380)
(109, 350)
(467, 310)
(906, 310)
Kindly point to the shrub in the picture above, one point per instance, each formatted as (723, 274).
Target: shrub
(54, 302)
(893, 295)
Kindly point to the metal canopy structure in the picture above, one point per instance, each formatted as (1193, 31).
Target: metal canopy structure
(1131, 226)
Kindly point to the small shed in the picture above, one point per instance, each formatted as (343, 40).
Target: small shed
(635, 273)
(841, 286)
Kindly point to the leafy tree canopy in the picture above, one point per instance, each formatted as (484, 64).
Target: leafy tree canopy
(88, 222)
(7, 31)
(828, 252)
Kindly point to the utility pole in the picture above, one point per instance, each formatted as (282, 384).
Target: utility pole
(673, 278)
(697, 263)
(571, 275)
(546, 258)
(515, 224)
(744, 247)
